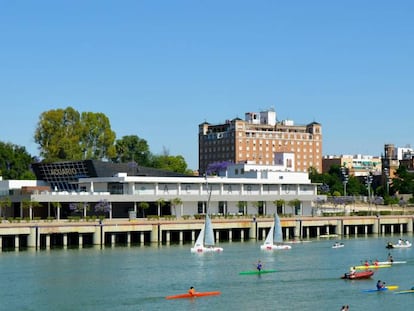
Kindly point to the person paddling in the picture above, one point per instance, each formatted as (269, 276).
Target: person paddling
(380, 285)
(259, 266)
(191, 291)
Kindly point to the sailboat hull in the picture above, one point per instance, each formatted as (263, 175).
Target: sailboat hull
(274, 247)
(203, 249)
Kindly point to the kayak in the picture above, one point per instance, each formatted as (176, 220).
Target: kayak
(372, 267)
(197, 294)
(390, 287)
(257, 272)
(409, 291)
(390, 262)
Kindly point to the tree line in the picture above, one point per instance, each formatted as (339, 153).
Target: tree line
(69, 135)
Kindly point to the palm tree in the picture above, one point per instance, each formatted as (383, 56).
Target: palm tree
(4, 203)
(143, 206)
(174, 203)
(293, 204)
(57, 206)
(31, 205)
(161, 203)
(279, 204)
(242, 206)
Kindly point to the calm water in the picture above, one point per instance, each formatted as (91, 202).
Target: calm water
(139, 278)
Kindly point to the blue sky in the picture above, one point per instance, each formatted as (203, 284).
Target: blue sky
(158, 69)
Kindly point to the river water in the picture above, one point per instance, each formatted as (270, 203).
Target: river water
(139, 278)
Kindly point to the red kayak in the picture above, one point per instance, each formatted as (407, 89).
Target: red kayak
(197, 294)
(358, 275)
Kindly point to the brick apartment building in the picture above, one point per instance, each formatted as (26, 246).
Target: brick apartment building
(259, 138)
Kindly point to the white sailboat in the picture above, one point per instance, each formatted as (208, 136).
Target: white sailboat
(274, 239)
(205, 240)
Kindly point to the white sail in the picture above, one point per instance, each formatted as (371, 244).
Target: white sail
(208, 232)
(278, 235)
(200, 239)
(274, 238)
(269, 237)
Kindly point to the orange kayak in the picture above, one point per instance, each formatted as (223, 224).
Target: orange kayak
(197, 294)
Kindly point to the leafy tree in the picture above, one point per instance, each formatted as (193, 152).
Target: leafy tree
(404, 181)
(170, 163)
(5, 202)
(103, 206)
(279, 204)
(131, 148)
(97, 138)
(161, 203)
(175, 202)
(15, 162)
(143, 206)
(294, 204)
(65, 134)
(31, 205)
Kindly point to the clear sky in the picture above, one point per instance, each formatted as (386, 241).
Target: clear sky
(157, 69)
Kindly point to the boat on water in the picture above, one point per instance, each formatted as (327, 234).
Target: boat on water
(194, 295)
(362, 267)
(385, 288)
(358, 275)
(338, 245)
(257, 272)
(390, 262)
(205, 241)
(399, 244)
(274, 238)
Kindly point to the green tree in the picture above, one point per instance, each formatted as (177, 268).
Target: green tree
(279, 204)
(15, 162)
(97, 138)
(5, 202)
(174, 203)
(295, 203)
(161, 203)
(143, 206)
(132, 149)
(65, 134)
(403, 181)
(31, 206)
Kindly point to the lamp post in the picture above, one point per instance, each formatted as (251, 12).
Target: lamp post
(387, 179)
(368, 182)
(344, 178)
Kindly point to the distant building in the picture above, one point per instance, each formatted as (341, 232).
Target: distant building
(356, 165)
(259, 137)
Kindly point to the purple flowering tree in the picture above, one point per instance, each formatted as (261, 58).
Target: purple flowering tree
(216, 167)
(102, 207)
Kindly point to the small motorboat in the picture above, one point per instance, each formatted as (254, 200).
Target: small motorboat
(338, 245)
(358, 275)
(399, 244)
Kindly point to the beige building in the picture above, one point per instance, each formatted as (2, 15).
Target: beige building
(258, 138)
(356, 165)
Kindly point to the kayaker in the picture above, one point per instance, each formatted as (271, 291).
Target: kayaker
(390, 259)
(191, 291)
(352, 271)
(366, 263)
(380, 284)
(259, 265)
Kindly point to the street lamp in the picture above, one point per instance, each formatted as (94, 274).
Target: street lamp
(368, 182)
(387, 179)
(344, 178)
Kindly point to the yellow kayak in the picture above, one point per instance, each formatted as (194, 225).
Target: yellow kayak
(372, 267)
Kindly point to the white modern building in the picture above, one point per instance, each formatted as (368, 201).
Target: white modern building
(244, 189)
